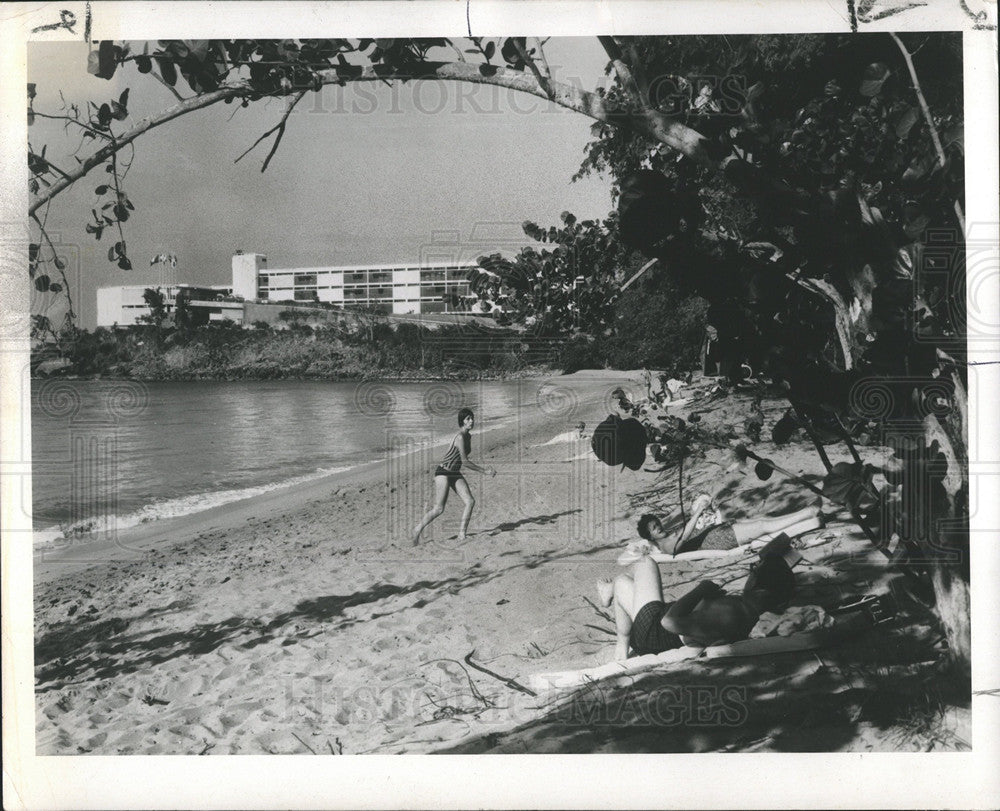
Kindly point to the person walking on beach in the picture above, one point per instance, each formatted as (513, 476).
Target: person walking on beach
(448, 476)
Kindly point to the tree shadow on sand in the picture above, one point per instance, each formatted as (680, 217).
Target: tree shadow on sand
(883, 688)
(792, 702)
(96, 648)
(540, 520)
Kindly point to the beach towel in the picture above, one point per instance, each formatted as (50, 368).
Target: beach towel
(567, 679)
(758, 646)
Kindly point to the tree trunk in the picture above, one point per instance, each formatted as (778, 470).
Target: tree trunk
(949, 532)
(953, 607)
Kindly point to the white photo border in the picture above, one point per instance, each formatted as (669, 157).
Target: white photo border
(956, 780)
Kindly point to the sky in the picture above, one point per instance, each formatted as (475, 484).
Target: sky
(364, 174)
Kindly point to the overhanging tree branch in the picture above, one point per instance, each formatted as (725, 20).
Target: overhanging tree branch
(652, 125)
(101, 155)
(543, 81)
(935, 138)
(626, 76)
(279, 128)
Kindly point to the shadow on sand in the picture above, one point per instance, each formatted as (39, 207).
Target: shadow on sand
(96, 648)
(888, 677)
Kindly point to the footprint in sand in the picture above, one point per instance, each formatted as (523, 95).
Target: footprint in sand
(431, 627)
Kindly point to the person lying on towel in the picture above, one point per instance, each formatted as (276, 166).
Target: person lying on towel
(703, 617)
(706, 528)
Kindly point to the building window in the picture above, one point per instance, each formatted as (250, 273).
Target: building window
(306, 295)
(305, 279)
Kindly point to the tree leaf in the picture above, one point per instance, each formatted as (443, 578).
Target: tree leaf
(167, 70)
(102, 189)
(490, 49)
(33, 250)
(124, 264)
(102, 62)
(59, 263)
(510, 53)
(764, 470)
(906, 121)
(55, 287)
(42, 283)
(850, 484)
(875, 76)
(198, 48)
(143, 64)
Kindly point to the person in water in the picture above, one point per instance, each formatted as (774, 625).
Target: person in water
(705, 616)
(706, 529)
(448, 476)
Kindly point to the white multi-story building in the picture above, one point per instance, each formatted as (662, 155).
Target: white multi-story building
(123, 305)
(398, 289)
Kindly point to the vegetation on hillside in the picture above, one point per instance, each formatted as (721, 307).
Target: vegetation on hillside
(226, 351)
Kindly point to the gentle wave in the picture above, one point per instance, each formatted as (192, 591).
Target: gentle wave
(198, 502)
(170, 508)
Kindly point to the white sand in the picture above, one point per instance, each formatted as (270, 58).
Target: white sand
(304, 621)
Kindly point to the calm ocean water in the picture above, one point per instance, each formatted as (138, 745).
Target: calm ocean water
(129, 452)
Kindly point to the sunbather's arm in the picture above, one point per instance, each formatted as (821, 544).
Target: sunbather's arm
(715, 620)
(688, 530)
(686, 604)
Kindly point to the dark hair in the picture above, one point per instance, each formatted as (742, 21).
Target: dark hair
(465, 412)
(774, 581)
(644, 522)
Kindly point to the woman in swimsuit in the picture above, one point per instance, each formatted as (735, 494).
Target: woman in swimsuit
(706, 529)
(448, 476)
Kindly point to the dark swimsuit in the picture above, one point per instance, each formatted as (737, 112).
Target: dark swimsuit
(717, 536)
(451, 465)
(648, 634)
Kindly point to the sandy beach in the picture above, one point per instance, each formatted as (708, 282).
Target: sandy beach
(304, 621)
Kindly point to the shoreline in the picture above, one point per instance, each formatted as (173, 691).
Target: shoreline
(528, 373)
(305, 622)
(132, 542)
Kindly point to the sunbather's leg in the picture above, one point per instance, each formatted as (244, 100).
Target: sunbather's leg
(646, 584)
(628, 594)
(765, 528)
(618, 594)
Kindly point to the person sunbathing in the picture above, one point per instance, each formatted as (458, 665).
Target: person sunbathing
(705, 616)
(706, 529)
